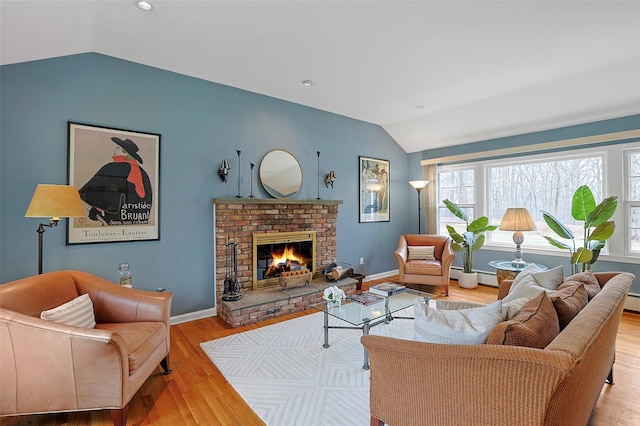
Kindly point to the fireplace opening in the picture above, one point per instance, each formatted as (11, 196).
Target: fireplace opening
(275, 253)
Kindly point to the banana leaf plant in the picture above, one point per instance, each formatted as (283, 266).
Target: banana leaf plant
(597, 228)
(470, 240)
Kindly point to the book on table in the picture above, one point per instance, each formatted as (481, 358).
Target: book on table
(387, 289)
(366, 298)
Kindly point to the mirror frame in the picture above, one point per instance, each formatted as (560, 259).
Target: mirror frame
(284, 168)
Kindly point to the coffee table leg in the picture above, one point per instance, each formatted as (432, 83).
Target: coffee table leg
(365, 331)
(326, 329)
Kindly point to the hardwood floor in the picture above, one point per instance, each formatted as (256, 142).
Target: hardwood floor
(197, 394)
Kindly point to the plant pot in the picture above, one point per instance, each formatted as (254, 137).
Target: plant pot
(468, 280)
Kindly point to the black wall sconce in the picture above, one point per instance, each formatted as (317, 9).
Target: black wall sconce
(223, 171)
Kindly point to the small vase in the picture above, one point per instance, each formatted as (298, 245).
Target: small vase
(334, 303)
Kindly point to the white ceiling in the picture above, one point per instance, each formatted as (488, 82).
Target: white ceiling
(480, 69)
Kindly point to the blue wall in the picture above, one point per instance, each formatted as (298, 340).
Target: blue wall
(201, 124)
(482, 257)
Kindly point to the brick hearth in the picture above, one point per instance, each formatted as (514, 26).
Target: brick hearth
(240, 218)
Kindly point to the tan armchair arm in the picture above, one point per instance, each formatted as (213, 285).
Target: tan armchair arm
(401, 255)
(45, 364)
(447, 259)
(113, 303)
(413, 381)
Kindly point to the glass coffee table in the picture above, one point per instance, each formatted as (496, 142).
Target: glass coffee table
(363, 317)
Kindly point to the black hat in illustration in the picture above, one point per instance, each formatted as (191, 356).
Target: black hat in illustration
(129, 146)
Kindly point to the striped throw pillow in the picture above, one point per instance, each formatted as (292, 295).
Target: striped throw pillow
(77, 312)
(421, 253)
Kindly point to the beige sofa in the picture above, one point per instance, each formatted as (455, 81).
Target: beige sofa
(424, 383)
(50, 367)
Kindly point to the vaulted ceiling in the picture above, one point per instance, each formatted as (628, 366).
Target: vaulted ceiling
(431, 73)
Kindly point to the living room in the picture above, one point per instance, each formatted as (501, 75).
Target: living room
(202, 123)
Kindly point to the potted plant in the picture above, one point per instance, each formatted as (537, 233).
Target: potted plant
(596, 224)
(467, 242)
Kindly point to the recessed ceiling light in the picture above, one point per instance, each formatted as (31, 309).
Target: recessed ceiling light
(145, 5)
(419, 106)
(307, 83)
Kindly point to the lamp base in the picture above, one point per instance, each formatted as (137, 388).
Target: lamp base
(518, 263)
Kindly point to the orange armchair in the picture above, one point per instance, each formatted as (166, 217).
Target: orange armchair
(51, 367)
(436, 271)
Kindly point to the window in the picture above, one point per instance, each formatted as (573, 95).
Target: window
(633, 201)
(457, 185)
(547, 182)
(541, 183)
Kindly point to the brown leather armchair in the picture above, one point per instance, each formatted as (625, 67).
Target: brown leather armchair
(421, 271)
(49, 367)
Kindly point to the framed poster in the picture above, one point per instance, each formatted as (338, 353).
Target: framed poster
(117, 173)
(374, 189)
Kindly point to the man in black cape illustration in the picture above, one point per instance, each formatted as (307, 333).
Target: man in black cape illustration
(120, 192)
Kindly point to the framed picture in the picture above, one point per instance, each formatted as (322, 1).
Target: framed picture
(374, 189)
(117, 173)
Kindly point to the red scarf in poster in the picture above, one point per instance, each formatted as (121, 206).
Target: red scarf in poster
(135, 176)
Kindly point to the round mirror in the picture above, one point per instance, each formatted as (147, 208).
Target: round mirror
(280, 174)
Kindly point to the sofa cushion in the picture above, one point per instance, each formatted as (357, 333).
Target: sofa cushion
(140, 338)
(535, 326)
(549, 279)
(77, 312)
(421, 252)
(568, 301)
(463, 326)
(589, 280)
(423, 267)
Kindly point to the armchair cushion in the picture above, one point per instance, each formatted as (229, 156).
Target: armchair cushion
(421, 253)
(140, 339)
(77, 312)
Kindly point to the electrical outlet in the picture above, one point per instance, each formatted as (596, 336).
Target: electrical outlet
(362, 260)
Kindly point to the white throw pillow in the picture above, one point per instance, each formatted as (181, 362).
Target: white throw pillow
(529, 282)
(77, 312)
(551, 278)
(421, 253)
(461, 327)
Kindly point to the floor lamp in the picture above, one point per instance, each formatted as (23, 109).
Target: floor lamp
(418, 185)
(55, 202)
(518, 220)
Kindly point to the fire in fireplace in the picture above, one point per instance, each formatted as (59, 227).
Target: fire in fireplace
(279, 252)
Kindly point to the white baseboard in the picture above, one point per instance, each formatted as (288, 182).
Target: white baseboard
(192, 316)
(633, 302)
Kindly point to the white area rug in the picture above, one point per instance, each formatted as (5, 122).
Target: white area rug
(288, 378)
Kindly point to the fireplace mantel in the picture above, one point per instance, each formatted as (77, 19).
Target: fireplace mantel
(282, 201)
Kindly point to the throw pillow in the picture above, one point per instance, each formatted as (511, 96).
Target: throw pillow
(509, 310)
(77, 312)
(589, 280)
(551, 278)
(535, 326)
(532, 280)
(421, 253)
(568, 301)
(463, 327)
(445, 305)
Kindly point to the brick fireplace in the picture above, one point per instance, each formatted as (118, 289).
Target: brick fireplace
(240, 219)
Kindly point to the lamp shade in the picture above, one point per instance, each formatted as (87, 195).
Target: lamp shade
(55, 201)
(418, 184)
(517, 219)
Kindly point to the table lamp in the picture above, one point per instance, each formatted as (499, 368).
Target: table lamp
(418, 185)
(517, 219)
(55, 202)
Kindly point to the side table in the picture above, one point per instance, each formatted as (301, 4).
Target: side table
(506, 271)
